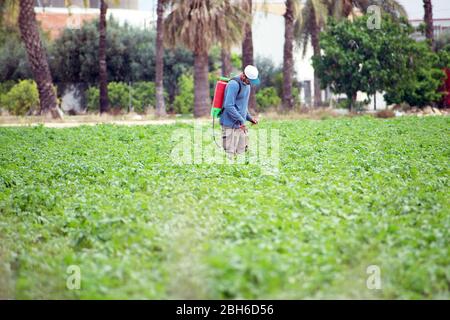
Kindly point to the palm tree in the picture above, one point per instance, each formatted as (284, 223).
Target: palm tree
(247, 47)
(103, 67)
(226, 60)
(288, 56)
(159, 59)
(313, 18)
(198, 24)
(37, 58)
(103, 70)
(428, 18)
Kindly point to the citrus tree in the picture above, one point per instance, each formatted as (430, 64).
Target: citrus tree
(358, 58)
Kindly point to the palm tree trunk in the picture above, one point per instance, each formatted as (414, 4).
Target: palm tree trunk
(201, 84)
(315, 30)
(103, 71)
(226, 61)
(247, 51)
(38, 59)
(288, 58)
(353, 96)
(429, 31)
(347, 8)
(159, 60)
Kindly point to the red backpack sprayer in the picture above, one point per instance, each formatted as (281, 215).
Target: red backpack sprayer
(219, 96)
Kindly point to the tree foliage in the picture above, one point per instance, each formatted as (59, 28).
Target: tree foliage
(138, 96)
(357, 58)
(22, 98)
(184, 101)
(130, 57)
(267, 98)
(419, 86)
(13, 57)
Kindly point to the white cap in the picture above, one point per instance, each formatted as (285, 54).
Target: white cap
(251, 72)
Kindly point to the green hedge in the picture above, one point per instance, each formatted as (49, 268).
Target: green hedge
(21, 98)
(142, 95)
(184, 101)
(267, 98)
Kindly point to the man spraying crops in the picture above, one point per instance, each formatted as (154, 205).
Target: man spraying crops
(235, 111)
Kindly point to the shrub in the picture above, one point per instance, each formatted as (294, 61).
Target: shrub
(343, 103)
(92, 99)
(347, 104)
(421, 87)
(13, 59)
(6, 86)
(118, 94)
(267, 98)
(4, 89)
(236, 61)
(276, 80)
(145, 95)
(296, 96)
(22, 98)
(384, 114)
(184, 101)
(442, 41)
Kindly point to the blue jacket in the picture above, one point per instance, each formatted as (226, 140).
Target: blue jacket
(235, 107)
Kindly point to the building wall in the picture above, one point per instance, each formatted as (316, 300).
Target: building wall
(122, 4)
(56, 22)
(55, 19)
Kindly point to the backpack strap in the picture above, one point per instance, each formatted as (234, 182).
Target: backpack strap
(238, 80)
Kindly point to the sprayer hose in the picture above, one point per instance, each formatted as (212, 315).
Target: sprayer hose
(214, 133)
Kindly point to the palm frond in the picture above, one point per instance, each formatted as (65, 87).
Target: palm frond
(314, 13)
(198, 24)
